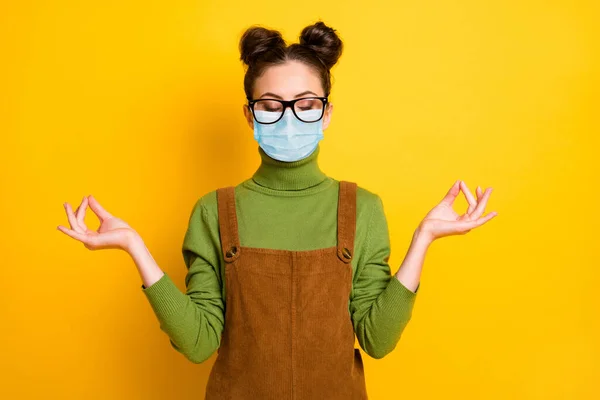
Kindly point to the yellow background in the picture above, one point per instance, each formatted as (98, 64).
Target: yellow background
(140, 104)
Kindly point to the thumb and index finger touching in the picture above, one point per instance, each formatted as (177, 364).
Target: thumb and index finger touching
(76, 218)
(476, 206)
(90, 200)
(456, 188)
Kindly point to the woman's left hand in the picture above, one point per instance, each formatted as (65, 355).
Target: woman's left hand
(442, 220)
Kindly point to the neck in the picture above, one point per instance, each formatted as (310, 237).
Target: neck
(283, 175)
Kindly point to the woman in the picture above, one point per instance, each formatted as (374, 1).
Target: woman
(288, 267)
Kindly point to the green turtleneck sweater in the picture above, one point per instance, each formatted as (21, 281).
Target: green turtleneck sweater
(290, 206)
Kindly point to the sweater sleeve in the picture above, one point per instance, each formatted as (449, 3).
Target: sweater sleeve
(380, 305)
(193, 321)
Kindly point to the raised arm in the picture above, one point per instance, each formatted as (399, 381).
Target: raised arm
(193, 321)
(381, 305)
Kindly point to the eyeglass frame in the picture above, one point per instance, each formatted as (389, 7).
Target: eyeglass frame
(290, 104)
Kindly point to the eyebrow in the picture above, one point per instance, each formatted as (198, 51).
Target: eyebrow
(270, 94)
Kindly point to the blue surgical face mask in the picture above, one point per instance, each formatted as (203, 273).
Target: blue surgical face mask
(288, 139)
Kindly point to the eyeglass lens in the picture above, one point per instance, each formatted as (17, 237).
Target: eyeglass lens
(307, 110)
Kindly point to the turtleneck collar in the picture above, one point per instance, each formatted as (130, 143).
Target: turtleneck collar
(284, 175)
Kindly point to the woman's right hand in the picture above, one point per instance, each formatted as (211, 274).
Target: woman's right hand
(113, 232)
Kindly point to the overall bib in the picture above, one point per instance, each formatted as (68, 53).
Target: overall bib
(288, 334)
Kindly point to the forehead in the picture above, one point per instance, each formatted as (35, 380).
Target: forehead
(287, 80)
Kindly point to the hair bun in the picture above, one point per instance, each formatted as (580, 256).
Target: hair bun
(258, 40)
(324, 41)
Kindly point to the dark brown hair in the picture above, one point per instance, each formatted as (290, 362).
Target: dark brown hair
(319, 48)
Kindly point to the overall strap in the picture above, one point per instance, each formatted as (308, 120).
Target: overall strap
(228, 225)
(346, 220)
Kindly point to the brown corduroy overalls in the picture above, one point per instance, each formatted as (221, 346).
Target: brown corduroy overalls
(288, 332)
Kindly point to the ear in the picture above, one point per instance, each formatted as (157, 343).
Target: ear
(327, 115)
(248, 116)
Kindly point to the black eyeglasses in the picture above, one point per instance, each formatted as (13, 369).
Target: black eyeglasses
(306, 109)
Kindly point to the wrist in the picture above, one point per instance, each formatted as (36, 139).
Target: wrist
(134, 244)
(421, 237)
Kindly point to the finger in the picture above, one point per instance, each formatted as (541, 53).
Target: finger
(82, 237)
(481, 221)
(487, 217)
(92, 242)
(482, 203)
(98, 209)
(466, 216)
(470, 199)
(452, 193)
(80, 213)
(72, 219)
(479, 193)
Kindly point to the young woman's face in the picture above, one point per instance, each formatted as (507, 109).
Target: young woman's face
(288, 81)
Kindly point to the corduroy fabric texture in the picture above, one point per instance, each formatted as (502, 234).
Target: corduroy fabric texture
(288, 333)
